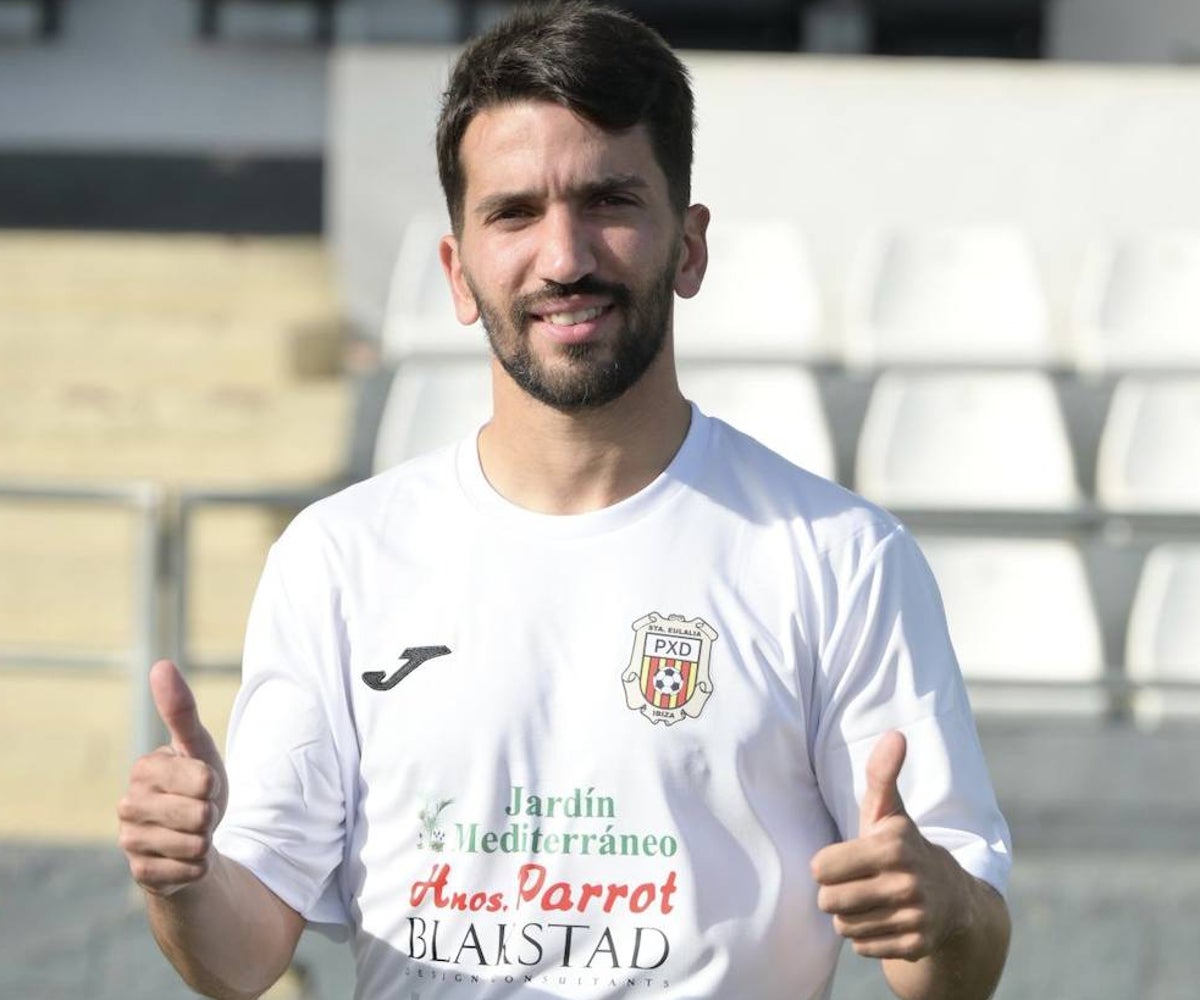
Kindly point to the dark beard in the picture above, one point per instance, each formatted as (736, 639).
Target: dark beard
(591, 382)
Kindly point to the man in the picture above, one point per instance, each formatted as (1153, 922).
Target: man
(610, 700)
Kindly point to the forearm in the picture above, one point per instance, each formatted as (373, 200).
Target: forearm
(968, 964)
(228, 936)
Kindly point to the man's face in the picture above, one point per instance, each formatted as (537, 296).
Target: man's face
(570, 251)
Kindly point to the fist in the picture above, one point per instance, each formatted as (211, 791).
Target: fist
(176, 794)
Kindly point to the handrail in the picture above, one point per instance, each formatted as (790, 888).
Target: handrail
(189, 500)
(150, 501)
(161, 559)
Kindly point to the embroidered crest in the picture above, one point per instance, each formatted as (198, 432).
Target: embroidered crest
(668, 673)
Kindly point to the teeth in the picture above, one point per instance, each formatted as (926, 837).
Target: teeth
(570, 319)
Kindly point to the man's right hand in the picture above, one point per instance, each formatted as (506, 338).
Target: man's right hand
(176, 795)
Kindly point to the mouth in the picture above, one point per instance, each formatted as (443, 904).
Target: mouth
(573, 318)
(569, 323)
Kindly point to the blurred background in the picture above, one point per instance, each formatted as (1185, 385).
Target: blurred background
(955, 266)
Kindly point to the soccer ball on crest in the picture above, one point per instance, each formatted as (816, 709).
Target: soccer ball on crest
(668, 681)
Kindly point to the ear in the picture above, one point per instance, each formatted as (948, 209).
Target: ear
(693, 257)
(465, 307)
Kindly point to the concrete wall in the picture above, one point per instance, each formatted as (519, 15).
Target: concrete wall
(1066, 152)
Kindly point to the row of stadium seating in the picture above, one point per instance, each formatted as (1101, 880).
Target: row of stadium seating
(917, 296)
(978, 441)
(1056, 603)
(1020, 460)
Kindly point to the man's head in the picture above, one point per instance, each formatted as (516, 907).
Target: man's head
(601, 64)
(565, 149)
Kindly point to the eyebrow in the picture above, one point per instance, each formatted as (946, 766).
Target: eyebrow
(584, 192)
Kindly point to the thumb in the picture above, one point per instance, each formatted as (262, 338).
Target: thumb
(882, 797)
(176, 707)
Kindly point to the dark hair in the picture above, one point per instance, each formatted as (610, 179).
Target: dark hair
(602, 64)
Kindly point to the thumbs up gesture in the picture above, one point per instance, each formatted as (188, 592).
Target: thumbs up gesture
(891, 892)
(176, 794)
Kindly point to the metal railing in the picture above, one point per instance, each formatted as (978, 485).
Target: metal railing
(162, 562)
(190, 502)
(149, 501)
(161, 569)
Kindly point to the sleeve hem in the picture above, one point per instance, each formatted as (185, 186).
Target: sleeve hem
(278, 875)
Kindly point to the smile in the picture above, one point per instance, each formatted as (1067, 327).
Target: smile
(572, 318)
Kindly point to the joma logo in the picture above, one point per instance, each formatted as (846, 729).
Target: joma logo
(410, 659)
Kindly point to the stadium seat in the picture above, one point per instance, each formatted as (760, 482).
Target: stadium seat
(324, 25)
(1149, 456)
(419, 317)
(947, 296)
(778, 404)
(1162, 652)
(759, 300)
(431, 404)
(986, 441)
(1138, 306)
(1023, 622)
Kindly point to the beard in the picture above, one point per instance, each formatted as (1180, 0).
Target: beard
(590, 374)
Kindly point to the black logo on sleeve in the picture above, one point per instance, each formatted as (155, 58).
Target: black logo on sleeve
(410, 659)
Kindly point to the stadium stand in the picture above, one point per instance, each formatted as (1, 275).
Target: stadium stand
(1138, 306)
(429, 404)
(778, 404)
(324, 25)
(760, 300)
(1163, 653)
(983, 441)
(947, 295)
(1149, 455)
(419, 318)
(191, 361)
(1023, 621)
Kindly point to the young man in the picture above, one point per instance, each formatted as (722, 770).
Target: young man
(609, 700)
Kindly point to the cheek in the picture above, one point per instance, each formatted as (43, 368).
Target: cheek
(501, 267)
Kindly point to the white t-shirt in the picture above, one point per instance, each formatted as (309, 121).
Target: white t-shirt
(588, 756)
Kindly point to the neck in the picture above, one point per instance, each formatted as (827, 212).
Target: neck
(570, 463)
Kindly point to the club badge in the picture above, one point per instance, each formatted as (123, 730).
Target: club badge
(668, 674)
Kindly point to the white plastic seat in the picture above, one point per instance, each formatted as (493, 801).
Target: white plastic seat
(1138, 305)
(1023, 622)
(419, 317)
(779, 405)
(759, 300)
(989, 441)
(1163, 641)
(1149, 455)
(956, 296)
(431, 404)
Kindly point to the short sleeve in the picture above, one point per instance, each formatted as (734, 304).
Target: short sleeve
(887, 663)
(286, 820)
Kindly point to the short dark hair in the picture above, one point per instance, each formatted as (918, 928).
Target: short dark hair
(602, 64)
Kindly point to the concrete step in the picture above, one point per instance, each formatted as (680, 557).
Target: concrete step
(124, 348)
(67, 576)
(212, 435)
(157, 272)
(190, 360)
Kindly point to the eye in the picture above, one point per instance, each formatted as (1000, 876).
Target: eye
(510, 215)
(614, 199)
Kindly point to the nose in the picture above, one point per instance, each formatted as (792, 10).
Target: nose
(566, 253)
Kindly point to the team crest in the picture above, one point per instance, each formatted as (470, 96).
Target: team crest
(668, 673)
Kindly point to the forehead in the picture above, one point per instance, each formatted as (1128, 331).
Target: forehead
(543, 147)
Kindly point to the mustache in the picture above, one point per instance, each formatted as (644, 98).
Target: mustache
(524, 305)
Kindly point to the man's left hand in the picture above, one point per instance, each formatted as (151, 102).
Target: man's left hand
(891, 892)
